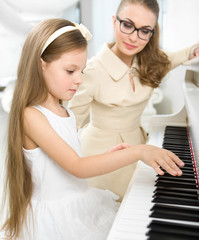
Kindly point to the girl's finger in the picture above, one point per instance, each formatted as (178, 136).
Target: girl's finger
(176, 159)
(156, 167)
(168, 165)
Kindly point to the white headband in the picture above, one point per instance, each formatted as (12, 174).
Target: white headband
(84, 31)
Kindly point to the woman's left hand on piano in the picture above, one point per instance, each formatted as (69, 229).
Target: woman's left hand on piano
(158, 157)
(195, 53)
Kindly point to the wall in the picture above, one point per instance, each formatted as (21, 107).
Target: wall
(97, 16)
(16, 20)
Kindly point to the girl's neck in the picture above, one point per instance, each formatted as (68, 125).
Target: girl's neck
(126, 59)
(58, 109)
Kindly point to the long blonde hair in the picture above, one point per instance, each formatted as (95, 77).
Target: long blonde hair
(30, 90)
(153, 63)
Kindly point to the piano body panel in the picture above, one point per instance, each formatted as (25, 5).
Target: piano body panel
(158, 122)
(191, 94)
(133, 215)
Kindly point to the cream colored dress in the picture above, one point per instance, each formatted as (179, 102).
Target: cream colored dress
(106, 95)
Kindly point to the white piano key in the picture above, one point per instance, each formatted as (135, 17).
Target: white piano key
(132, 218)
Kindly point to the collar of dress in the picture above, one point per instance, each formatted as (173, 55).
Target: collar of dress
(113, 65)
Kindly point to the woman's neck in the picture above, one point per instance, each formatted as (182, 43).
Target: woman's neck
(125, 58)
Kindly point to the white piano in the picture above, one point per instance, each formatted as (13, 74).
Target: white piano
(143, 216)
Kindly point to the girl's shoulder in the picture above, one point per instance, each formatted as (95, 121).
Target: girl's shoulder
(32, 115)
(41, 112)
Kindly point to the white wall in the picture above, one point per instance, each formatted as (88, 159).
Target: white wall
(16, 20)
(97, 16)
(181, 20)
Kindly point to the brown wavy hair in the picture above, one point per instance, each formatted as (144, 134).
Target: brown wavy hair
(153, 63)
(30, 90)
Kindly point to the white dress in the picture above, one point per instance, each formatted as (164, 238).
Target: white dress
(64, 207)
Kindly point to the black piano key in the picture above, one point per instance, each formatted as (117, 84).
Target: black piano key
(177, 184)
(176, 128)
(176, 142)
(183, 157)
(189, 165)
(176, 194)
(190, 168)
(176, 180)
(186, 175)
(181, 190)
(173, 193)
(184, 170)
(174, 228)
(186, 153)
(172, 148)
(176, 147)
(169, 236)
(176, 200)
(175, 136)
(175, 133)
(176, 213)
(186, 190)
(182, 177)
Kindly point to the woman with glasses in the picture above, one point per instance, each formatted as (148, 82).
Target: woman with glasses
(117, 84)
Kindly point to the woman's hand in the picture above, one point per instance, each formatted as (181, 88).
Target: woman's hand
(195, 53)
(158, 157)
(119, 147)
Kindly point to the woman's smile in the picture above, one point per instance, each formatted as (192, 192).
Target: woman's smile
(130, 46)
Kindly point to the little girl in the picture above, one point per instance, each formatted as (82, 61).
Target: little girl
(47, 192)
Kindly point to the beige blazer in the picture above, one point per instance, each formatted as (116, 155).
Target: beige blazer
(107, 97)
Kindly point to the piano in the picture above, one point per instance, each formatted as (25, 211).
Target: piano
(166, 207)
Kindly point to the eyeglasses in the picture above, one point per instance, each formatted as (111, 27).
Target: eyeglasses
(128, 28)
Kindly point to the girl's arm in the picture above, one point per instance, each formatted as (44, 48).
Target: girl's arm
(38, 132)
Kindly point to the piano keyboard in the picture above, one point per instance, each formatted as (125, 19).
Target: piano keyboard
(176, 198)
(161, 207)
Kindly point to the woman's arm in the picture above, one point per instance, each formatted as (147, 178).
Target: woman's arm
(183, 55)
(39, 132)
(195, 53)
